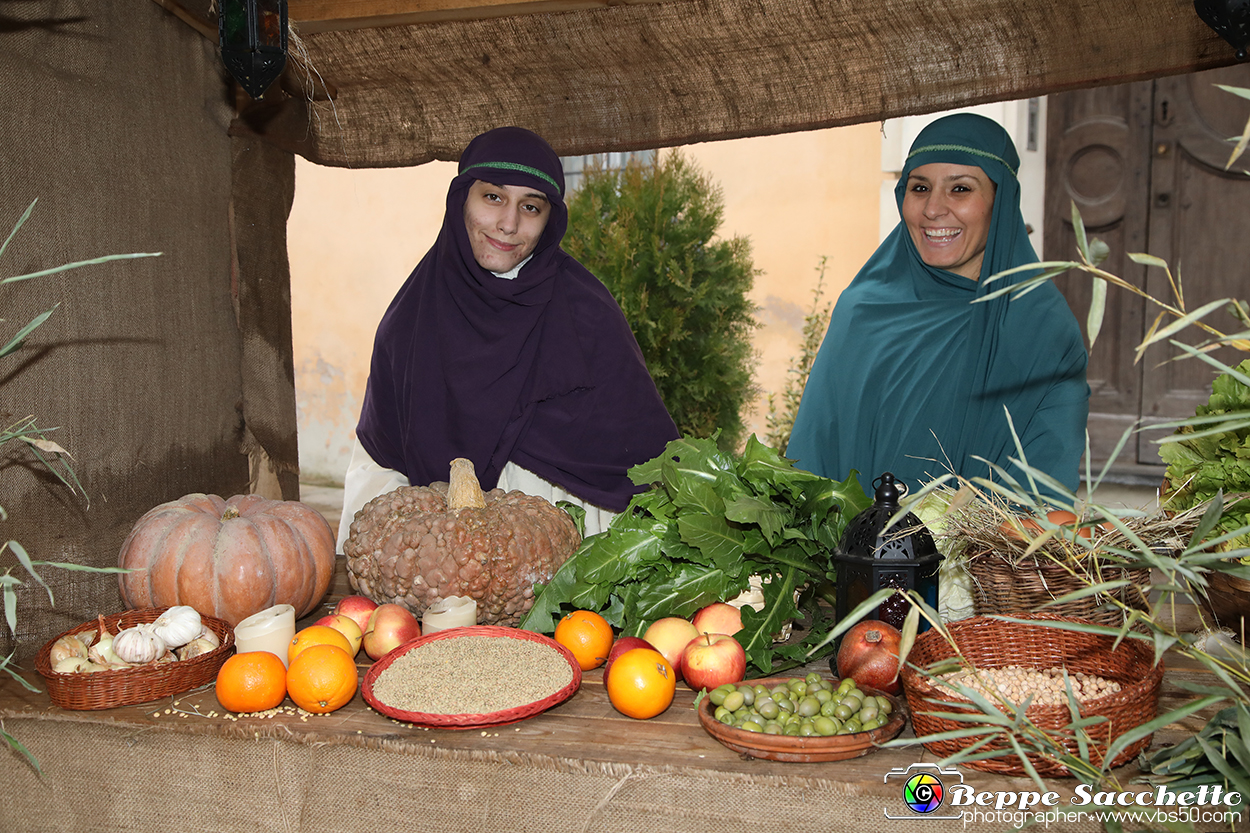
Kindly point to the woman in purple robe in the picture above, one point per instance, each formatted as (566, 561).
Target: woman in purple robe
(502, 348)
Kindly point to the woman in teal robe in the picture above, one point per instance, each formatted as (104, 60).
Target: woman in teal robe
(916, 379)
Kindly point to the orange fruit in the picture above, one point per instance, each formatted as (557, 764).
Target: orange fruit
(588, 635)
(641, 684)
(316, 635)
(322, 679)
(252, 681)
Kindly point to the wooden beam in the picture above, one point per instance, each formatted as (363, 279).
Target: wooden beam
(311, 16)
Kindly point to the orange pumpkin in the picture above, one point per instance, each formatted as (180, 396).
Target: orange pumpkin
(228, 558)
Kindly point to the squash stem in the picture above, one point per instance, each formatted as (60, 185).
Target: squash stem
(463, 489)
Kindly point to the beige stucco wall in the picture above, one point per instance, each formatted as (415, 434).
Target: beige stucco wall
(354, 236)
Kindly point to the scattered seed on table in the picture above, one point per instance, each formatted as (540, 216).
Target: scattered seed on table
(472, 675)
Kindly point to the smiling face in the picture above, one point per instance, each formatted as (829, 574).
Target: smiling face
(504, 223)
(947, 209)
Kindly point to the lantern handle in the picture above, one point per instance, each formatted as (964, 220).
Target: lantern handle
(888, 490)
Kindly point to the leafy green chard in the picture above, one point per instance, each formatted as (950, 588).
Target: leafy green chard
(1211, 452)
(710, 521)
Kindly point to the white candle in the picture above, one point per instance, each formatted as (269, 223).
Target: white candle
(270, 630)
(451, 612)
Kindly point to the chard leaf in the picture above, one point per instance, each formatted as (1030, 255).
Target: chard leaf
(686, 589)
(713, 536)
(766, 514)
(608, 558)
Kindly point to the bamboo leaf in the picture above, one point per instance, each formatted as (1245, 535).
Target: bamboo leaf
(20, 222)
(16, 745)
(21, 334)
(1078, 228)
(1097, 308)
(24, 558)
(1149, 727)
(1147, 260)
(76, 264)
(911, 625)
(1185, 321)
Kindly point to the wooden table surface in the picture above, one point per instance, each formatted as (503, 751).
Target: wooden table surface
(584, 730)
(585, 727)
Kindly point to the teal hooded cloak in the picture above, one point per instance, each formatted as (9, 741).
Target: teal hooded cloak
(913, 378)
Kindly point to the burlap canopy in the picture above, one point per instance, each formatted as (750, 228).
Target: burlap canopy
(405, 85)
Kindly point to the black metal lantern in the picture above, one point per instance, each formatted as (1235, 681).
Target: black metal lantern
(869, 558)
(252, 38)
(1230, 19)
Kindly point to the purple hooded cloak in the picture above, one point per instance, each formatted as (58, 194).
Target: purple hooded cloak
(541, 370)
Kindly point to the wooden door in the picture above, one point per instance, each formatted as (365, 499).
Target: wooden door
(1145, 164)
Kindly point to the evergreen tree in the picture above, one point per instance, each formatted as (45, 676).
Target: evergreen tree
(648, 232)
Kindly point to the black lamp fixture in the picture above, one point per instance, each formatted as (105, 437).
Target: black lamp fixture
(1230, 19)
(870, 558)
(252, 38)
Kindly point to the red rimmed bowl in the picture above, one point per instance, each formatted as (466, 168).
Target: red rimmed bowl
(799, 749)
(472, 720)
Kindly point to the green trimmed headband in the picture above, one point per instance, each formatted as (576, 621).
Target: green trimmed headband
(513, 166)
(964, 149)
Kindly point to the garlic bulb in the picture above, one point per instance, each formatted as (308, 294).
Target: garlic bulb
(67, 647)
(178, 625)
(138, 645)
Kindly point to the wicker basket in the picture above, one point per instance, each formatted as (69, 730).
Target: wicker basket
(141, 684)
(1228, 601)
(1011, 585)
(993, 643)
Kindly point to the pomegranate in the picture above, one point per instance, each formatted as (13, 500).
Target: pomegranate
(869, 655)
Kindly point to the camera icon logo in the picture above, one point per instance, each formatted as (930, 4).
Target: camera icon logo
(923, 791)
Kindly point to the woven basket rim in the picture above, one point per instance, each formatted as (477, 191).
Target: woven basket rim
(1128, 708)
(141, 683)
(471, 720)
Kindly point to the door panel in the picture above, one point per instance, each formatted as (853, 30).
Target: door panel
(1144, 162)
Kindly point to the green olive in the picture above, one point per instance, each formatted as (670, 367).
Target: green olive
(825, 726)
(809, 706)
(734, 701)
(748, 694)
(843, 711)
(768, 709)
(813, 677)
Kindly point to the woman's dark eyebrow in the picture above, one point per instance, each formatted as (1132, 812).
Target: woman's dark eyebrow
(532, 195)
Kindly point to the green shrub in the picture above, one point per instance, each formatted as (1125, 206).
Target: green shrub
(780, 422)
(649, 233)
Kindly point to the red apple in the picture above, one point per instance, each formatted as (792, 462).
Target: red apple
(345, 625)
(390, 626)
(670, 636)
(358, 608)
(718, 618)
(713, 659)
(619, 647)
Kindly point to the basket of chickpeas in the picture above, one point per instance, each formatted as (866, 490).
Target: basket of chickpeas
(1005, 664)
